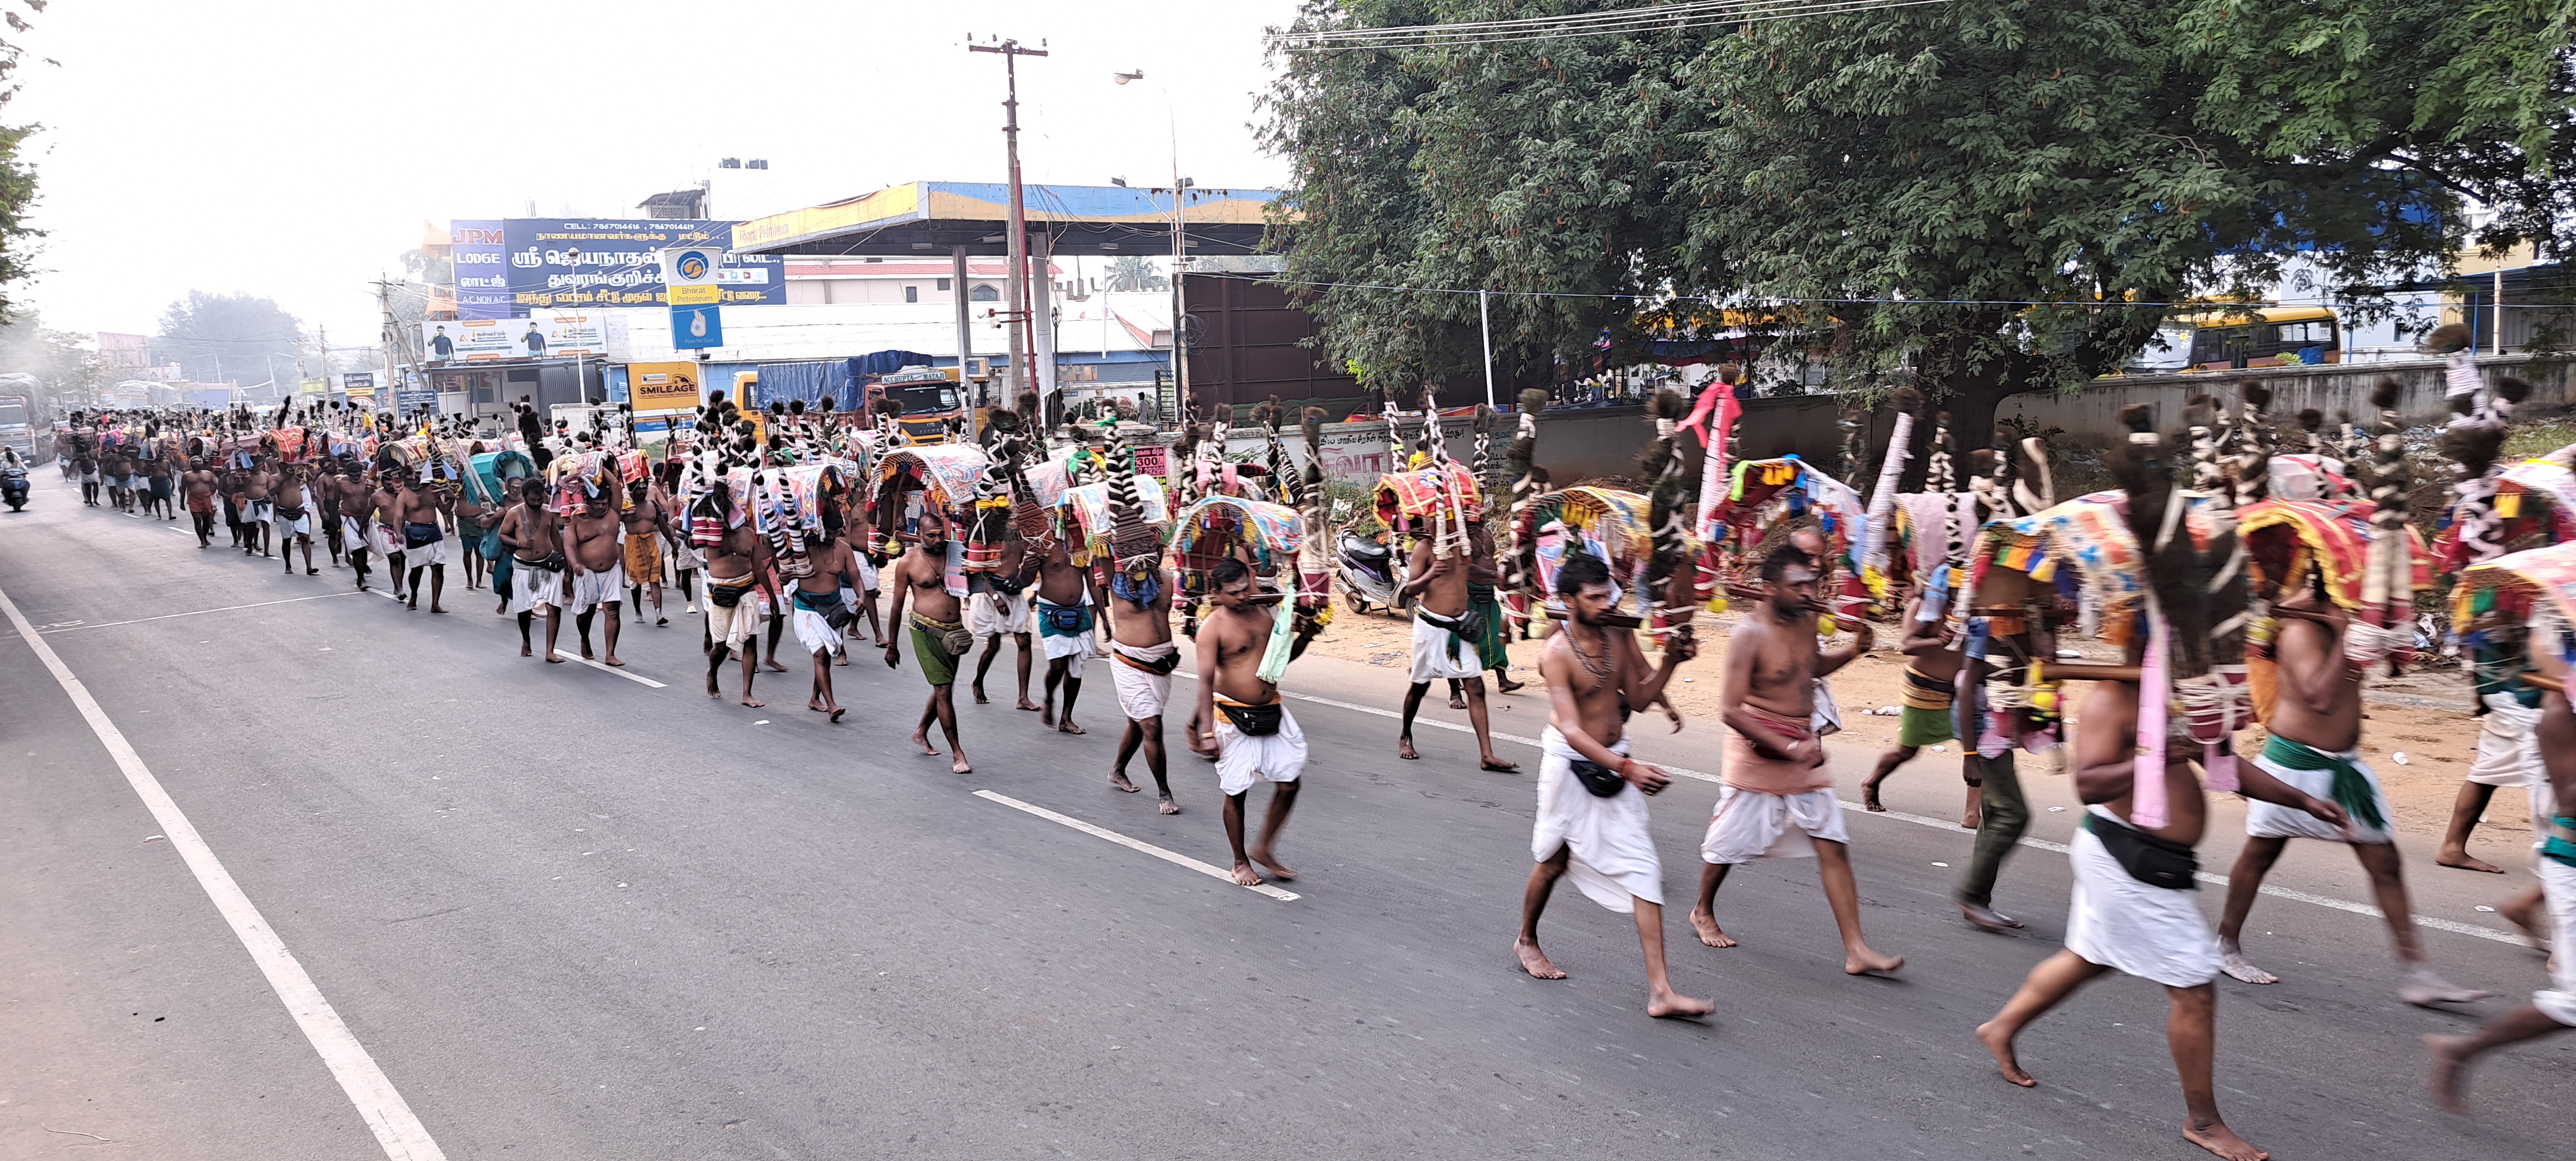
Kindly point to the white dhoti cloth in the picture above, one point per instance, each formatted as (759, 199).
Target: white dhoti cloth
(353, 533)
(2153, 933)
(1827, 717)
(2509, 756)
(1610, 857)
(1752, 825)
(434, 552)
(1076, 646)
(2270, 820)
(1431, 659)
(2558, 889)
(814, 633)
(1141, 695)
(867, 572)
(534, 590)
(294, 526)
(1242, 759)
(990, 614)
(383, 541)
(592, 589)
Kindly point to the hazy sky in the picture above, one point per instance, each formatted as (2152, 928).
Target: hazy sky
(378, 117)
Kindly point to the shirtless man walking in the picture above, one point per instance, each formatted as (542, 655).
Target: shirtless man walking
(386, 532)
(1067, 628)
(2552, 1009)
(737, 564)
(2315, 748)
(199, 484)
(1244, 647)
(1142, 657)
(294, 517)
(820, 610)
(357, 516)
(997, 604)
(644, 520)
(1778, 798)
(920, 576)
(598, 570)
(529, 531)
(257, 510)
(420, 504)
(1444, 647)
(1592, 817)
(1931, 669)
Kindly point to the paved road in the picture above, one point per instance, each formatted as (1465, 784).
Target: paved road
(572, 916)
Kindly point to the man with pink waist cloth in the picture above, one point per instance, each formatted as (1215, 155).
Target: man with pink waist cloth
(1778, 800)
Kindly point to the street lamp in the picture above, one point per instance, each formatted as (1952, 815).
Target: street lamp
(1171, 125)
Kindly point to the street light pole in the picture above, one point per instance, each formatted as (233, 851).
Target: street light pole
(1180, 217)
(1016, 239)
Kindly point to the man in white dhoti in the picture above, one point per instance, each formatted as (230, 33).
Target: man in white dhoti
(1244, 648)
(1143, 657)
(1591, 796)
(1446, 628)
(2132, 909)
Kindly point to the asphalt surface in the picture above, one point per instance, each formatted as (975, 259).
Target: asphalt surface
(573, 916)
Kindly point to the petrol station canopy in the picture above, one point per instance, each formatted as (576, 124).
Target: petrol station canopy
(924, 218)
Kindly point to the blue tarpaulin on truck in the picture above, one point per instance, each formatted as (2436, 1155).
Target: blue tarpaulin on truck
(887, 362)
(810, 383)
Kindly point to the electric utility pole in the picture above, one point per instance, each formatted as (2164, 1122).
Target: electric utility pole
(1016, 235)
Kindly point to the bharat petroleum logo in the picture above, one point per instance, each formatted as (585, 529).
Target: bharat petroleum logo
(692, 265)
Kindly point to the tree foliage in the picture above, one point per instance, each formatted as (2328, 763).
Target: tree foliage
(1989, 196)
(1134, 272)
(219, 338)
(17, 177)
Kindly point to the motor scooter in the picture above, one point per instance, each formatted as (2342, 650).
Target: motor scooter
(1365, 566)
(13, 486)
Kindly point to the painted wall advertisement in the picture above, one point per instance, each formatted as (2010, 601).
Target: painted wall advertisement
(556, 263)
(542, 335)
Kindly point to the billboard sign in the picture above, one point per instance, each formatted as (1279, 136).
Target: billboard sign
(475, 248)
(696, 328)
(690, 275)
(466, 340)
(357, 381)
(559, 263)
(663, 387)
(553, 334)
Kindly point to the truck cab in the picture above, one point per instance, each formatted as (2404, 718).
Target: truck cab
(930, 398)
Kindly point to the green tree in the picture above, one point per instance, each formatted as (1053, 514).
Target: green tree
(1987, 196)
(1135, 272)
(17, 177)
(219, 338)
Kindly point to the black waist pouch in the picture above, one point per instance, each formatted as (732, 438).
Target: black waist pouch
(1601, 780)
(2154, 861)
(1253, 721)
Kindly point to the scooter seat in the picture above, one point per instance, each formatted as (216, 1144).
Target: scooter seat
(1364, 548)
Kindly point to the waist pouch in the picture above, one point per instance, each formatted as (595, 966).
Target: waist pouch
(835, 614)
(491, 544)
(1066, 620)
(1008, 586)
(2154, 861)
(294, 513)
(2560, 844)
(727, 596)
(1159, 667)
(1252, 721)
(550, 562)
(1601, 780)
(416, 534)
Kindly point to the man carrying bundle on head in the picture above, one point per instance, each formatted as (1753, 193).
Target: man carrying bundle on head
(2133, 861)
(1244, 648)
(1591, 795)
(997, 606)
(939, 635)
(1447, 630)
(1066, 625)
(1778, 799)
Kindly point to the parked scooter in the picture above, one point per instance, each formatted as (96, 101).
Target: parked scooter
(1366, 566)
(13, 483)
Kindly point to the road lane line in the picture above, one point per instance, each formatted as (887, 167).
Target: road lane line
(570, 656)
(1172, 857)
(198, 612)
(2437, 924)
(378, 1102)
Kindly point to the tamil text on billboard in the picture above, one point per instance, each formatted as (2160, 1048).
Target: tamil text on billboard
(558, 263)
(474, 247)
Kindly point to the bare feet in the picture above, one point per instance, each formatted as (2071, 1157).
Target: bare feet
(1278, 870)
(610, 660)
(1031, 706)
(2001, 1045)
(837, 711)
(1705, 924)
(2219, 1139)
(960, 767)
(1068, 727)
(921, 738)
(1534, 961)
(2447, 1069)
(1507, 685)
(1869, 798)
(1168, 806)
(551, 659)
(1457, 701)
(1243, 876)
(2463, 860)
(747, 703)
(1668, 1004)
(1404, 748)
(524, 651)
(1118, 780)
(2425, 989)
(1987, 918)
(1866, 962)
(773, 666)
(980, 699)
(2525, 912)
(2239, 968)
(1497, 765)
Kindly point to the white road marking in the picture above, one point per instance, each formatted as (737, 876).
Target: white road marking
(2457, 928)
(570, 656)
(383, 1108)
(198, 612)
(1172, 857)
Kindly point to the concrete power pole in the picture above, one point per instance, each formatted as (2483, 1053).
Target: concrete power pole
(1016, 236)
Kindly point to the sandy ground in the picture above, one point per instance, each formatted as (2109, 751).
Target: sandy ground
(2437, 743)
